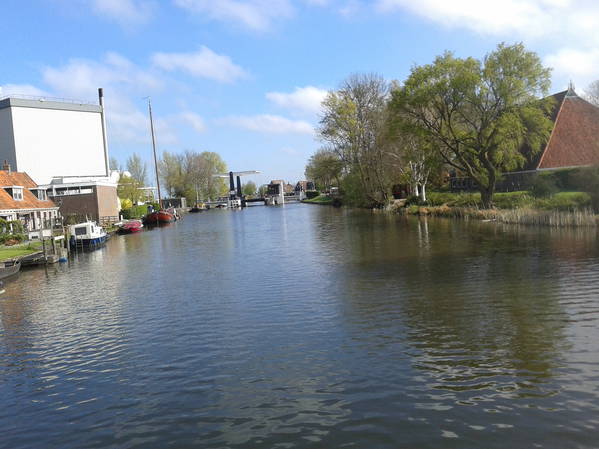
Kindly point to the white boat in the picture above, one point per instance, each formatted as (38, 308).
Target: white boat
(87, 234)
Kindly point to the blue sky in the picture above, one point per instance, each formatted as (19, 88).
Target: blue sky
(244, 78)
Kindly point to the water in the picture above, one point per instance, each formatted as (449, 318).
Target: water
(307, 327)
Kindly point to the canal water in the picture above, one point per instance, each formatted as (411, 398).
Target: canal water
(307, 327)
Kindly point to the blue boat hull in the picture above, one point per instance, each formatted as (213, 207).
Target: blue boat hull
(87, 243)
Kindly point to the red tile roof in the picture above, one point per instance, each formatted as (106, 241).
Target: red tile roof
(29, 201)
(574, 140)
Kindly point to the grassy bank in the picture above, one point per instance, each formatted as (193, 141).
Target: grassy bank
(24, 249)
(559, 210)
(320, 199)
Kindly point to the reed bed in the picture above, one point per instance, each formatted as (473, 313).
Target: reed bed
(524, 216)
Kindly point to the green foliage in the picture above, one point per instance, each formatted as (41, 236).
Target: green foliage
(353, 191)
(249, 188)
(353, 126)
(312, 194)
(138, 211)
(562, 201)
(544, 186)
(185, 174)
(565, 201)
(480, 113)
(138, 169)
(324, 168)
(128, 189)
(12, 238)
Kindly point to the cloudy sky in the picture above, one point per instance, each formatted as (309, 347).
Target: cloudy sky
(245, 78)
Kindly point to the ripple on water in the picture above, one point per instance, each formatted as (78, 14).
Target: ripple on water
(307, 327)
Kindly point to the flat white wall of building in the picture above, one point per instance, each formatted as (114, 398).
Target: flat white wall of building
(54, 142)
(7, 142)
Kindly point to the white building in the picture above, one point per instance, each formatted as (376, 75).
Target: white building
(62, 146)
(49, 139)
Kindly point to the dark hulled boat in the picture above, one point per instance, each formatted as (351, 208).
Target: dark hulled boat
(159, 217)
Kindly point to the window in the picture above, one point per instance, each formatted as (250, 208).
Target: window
(17, 193)
(41, 195)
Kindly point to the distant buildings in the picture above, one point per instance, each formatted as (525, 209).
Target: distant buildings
(22, 199)
(62, 146)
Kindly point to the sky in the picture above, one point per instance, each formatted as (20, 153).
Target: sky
(245, 78)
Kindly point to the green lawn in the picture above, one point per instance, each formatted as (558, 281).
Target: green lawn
(10, 252)
(320, 199)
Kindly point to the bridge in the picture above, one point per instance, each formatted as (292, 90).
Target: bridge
(275, 193)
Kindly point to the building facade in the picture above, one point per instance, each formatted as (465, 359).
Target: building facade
(48, 139)
(80, 198)
(21, 199)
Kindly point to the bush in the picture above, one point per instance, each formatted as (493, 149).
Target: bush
(565, 201)
(413, 200)
(512, 200)
(312, 194)
(137, 211)
(544, 186)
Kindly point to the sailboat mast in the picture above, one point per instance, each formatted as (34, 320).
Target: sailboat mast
(154, 149)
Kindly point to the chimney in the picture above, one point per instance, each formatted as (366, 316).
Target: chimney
(6, 166)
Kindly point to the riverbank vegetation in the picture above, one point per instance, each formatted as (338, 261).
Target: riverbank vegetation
(464, 117)
(19, 250)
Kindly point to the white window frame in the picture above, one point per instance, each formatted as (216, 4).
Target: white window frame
(17, 193)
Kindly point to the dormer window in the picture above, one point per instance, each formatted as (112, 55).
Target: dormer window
(40, 194)
(17, 193)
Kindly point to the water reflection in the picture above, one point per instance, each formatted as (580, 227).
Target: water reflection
(307, 326)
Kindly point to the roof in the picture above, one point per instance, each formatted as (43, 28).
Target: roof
(574, 140)
(41, 103)
(29, 200)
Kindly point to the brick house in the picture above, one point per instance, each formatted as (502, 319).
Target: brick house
(22, 199)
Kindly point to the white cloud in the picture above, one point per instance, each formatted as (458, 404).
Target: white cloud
(269, 124)
(570, 26)
(202, 64)
(124, 12)
(253, 14)
(303, 99)
(574, 64)
(124, 83)
(6, 90)
(193, 120)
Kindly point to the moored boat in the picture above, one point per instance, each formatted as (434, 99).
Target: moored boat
(9, 268)
(130, 227)
(159, 217)
(87, 235)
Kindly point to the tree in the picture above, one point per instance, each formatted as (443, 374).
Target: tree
(353, 125)
(323, 168)
(138, 168)
(479, 114)
(114, 164)
(592, 93)
(170, 168)
(191, 173)
(249, 188)
(128, 189)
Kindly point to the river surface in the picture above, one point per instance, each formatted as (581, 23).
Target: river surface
(307, 327)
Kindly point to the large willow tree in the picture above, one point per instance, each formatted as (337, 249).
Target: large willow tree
(479, 114)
